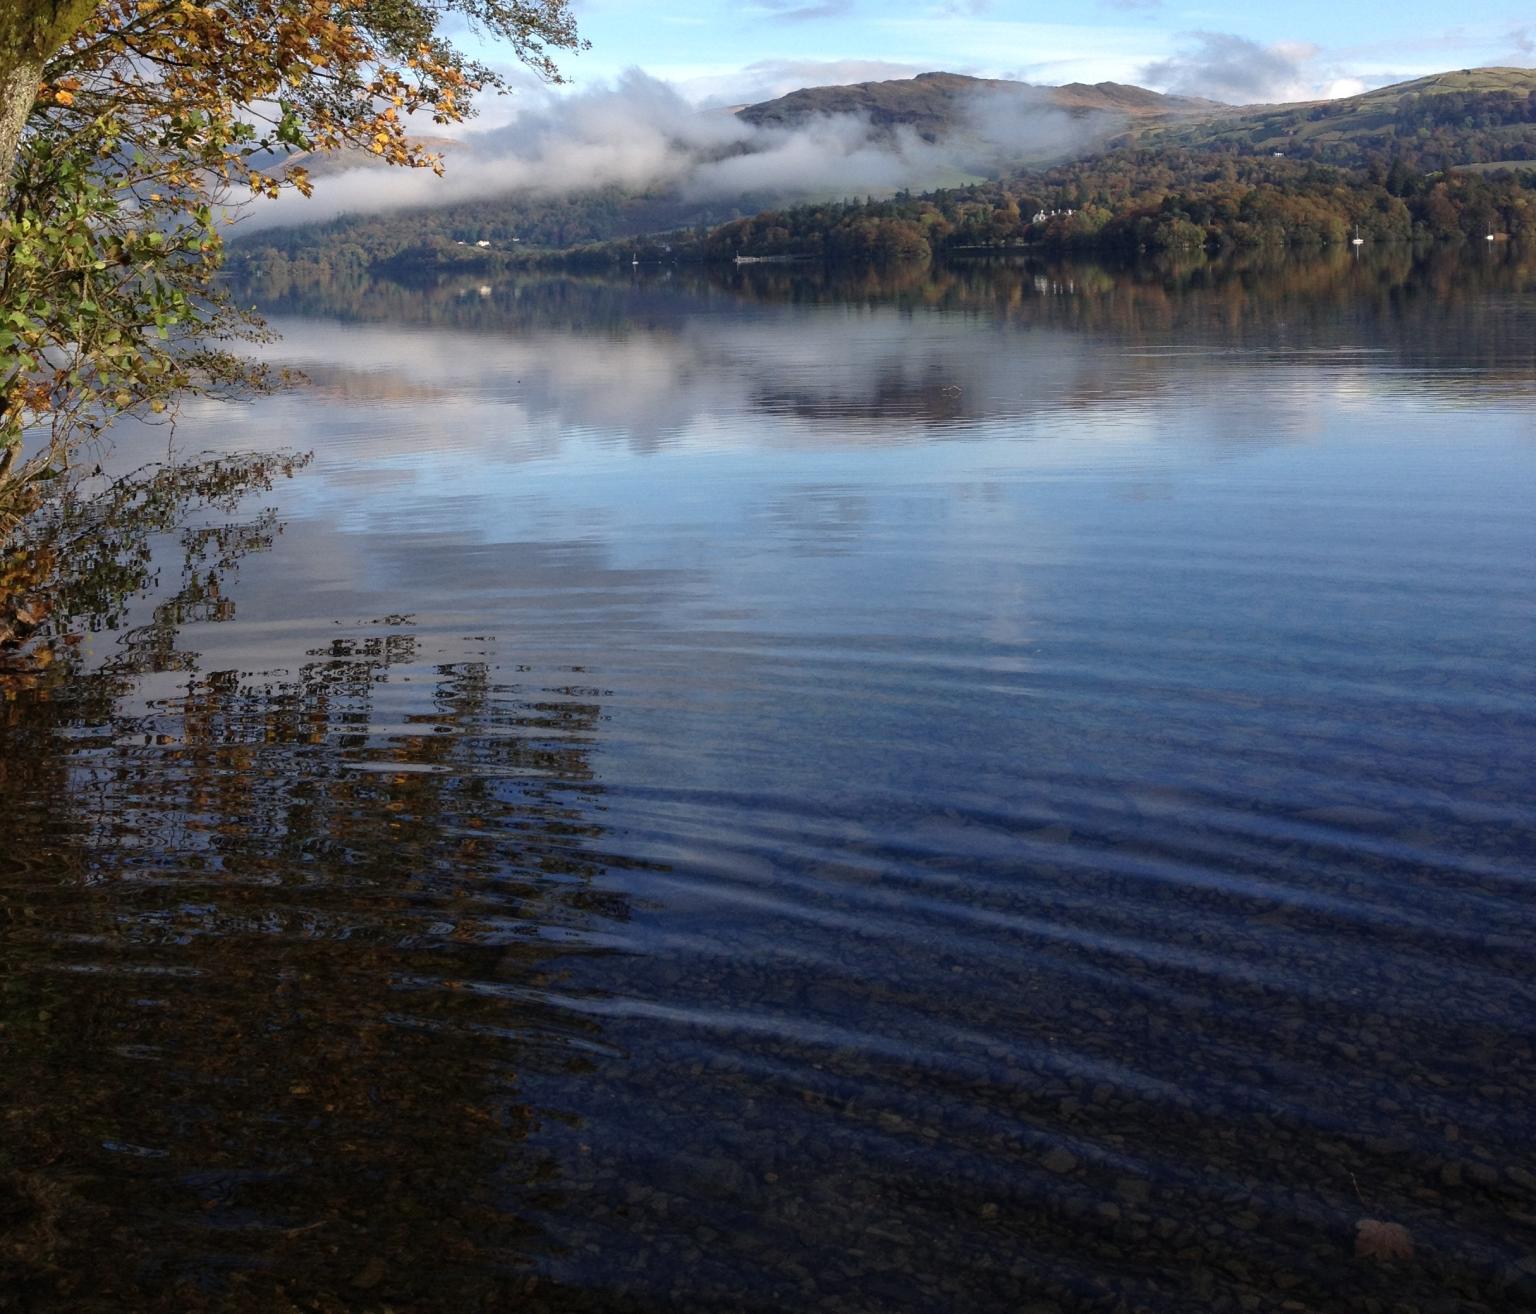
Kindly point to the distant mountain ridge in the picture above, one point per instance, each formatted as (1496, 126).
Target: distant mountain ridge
(935, 104)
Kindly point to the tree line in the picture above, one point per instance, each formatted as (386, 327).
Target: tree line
(1133, 201)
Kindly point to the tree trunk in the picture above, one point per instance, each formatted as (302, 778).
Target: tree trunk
(30, 32)
(19, 76)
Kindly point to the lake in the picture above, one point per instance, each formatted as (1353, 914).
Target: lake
(1003, 787)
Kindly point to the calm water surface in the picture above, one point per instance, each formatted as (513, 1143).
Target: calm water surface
(996, 789)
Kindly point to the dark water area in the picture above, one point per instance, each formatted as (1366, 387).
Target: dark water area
(1005, 787)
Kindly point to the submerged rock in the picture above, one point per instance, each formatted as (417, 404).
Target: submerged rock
(1375, 1239)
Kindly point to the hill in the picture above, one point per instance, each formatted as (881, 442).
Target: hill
(1465, 117)
(938, 105)
(976, 128)
(1149, 164)
(1450, 157)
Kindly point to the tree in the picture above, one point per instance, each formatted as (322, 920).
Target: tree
(30, 31)
(130, 128)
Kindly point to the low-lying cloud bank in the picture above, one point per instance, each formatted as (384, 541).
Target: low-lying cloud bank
(1223, 66)
(640, 134)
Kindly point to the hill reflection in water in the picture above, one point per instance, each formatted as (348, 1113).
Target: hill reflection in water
(994, 788)
(879, 356)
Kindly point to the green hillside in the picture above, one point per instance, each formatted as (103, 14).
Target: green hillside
(1174, 172)
(1466, 117)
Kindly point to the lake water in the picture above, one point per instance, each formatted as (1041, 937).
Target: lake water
(1002, 788)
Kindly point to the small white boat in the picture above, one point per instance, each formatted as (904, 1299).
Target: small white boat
(1357, 240)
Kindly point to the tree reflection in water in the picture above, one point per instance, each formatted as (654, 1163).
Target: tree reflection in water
(273, 949)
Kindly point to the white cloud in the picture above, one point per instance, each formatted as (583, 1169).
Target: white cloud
(1227, 67)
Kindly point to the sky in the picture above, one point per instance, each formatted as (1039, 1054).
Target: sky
(738, 51)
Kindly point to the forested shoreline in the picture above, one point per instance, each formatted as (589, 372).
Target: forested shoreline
(1147, 201)
(1123, 203)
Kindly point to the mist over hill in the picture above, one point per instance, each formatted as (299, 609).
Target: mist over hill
(636, 159)
(682, 165)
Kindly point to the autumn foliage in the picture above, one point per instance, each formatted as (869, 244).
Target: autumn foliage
(151, 123)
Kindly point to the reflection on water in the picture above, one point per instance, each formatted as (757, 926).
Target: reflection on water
(994, 788)
(270, 945)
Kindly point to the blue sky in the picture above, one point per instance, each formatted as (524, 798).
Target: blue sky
(727, 51)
